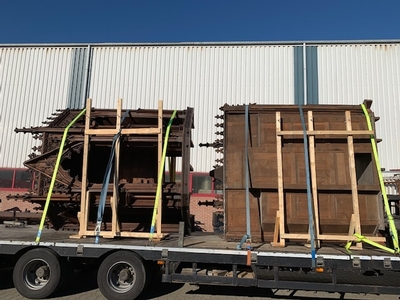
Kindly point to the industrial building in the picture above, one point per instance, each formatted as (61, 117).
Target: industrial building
(36, 80)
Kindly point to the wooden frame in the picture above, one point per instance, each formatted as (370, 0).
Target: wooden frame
(279, 239)
(83, 215)
(355, 221)
(313, 171)
(280, 235)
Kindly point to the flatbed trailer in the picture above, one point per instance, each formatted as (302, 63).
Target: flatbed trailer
(263, 177)
(125, 265)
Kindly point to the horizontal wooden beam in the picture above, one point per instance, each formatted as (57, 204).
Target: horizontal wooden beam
(143, 235)
(324, 132)
(123, 131)
(330, 237)
(110, 234)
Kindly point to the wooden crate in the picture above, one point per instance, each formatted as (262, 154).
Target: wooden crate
(344, 180)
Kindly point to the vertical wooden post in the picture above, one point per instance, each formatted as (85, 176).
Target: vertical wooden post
(160, 149)
(280, 181)
(352, 225)
(83, 220)
(275, 238)
(313, 171)
(353, 177)
(114, 199)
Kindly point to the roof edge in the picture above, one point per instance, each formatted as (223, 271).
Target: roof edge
(233, 43)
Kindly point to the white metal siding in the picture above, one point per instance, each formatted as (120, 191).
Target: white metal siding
(33, 84)
(348, 74)
(203, 77)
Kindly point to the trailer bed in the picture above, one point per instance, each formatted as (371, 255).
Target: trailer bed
(209, 259)
(202, 240)
(199, 241)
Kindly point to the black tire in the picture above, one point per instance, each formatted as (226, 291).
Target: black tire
(122, 276)
(151, 268)
(38, 273)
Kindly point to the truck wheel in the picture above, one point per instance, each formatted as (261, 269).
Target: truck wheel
(37, 274)
(122, 276)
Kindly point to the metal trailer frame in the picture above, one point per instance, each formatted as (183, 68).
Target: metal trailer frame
(280, 268)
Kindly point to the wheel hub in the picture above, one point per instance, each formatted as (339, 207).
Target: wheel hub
(43, 271)
(125, 275)
(36, 274)
(121, 277)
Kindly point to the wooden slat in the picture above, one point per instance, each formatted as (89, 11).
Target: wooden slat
(331, 237)
(115, 198)
(353, 177)
(352, 225)
(112, 131)
(276, 231)
(324, 132)
(351, 232)
(143, 235)
(110, 235)
(84, 198)
(280, 181)
(313, 172)
(82, 234)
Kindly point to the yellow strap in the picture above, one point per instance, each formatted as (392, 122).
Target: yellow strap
(160, 176)
(392, 225)
(362, 238)
(53, 178)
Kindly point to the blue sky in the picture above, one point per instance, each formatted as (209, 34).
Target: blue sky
(84, 21)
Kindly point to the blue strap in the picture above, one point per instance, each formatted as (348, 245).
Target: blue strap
(247, 236)
(106, 181)
(309, 201)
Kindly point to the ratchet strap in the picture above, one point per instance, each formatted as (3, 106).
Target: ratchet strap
(53, 178)
(308, 180)
(391, 223)
(160, 176)
(106, 181)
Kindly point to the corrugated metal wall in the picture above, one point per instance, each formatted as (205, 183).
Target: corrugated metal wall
(39, 79)
(348, 74)
(33, 84)
(203, 77)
